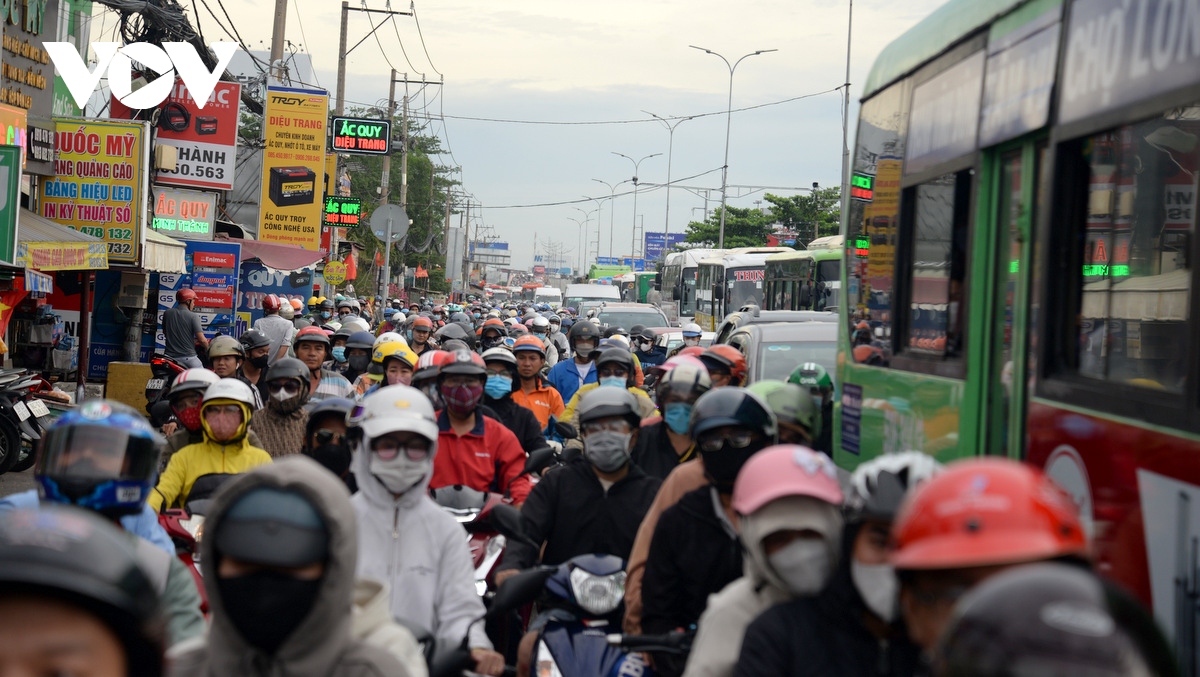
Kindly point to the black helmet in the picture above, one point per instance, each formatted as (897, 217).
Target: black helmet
(583, 330)
(460, 317)
(455, 331)
(342, 333)
(327, 304)
(616, 331)
(85, 561)
(360, 339)
(336, 407)
(615, 354)
(636, 330)
(288, 367)
(1049, 619)
(464, 362)
(602, 403)
(733, 406)
(253, 338)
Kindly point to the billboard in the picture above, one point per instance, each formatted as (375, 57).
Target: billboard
(491, 253)
(361, 136)
(658, 243)
(100, 189)
(293, 173)
(636, 265)
(213, 275)
(184, 214)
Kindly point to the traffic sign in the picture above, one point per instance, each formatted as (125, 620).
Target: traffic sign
(335, 272)
(398, 217)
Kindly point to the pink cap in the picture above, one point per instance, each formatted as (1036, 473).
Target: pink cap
(785, 470)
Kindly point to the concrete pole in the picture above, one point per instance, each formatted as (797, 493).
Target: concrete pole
(277, 38)
(383, 192)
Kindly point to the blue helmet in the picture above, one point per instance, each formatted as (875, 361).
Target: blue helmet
(102, 456)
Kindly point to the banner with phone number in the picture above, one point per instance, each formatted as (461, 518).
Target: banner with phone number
(100, 187)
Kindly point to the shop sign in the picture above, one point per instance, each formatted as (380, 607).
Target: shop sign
(290, 205)
(361, 136)
(51, 256)
(342, 212)
(184, 214)
(10, 200)
(26, 76)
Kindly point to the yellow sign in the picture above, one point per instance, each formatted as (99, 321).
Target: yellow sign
(294, 166)
(100, 187)
(51, 256)
(335, 272)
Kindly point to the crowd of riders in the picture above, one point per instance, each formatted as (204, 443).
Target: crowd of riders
(316, 438)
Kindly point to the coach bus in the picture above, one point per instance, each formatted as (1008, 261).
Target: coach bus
(726, 282)
(679, 271)
(805, 279)
(1019, 238)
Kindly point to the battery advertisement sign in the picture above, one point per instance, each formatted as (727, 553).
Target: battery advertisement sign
(361, 136)
(184, 214)
(342, 212)
(290, 207)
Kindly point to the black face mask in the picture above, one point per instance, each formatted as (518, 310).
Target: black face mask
(359, 363)
(260, 362)
(266, 607)
(491, 342)
(334, 456)
(722, 466)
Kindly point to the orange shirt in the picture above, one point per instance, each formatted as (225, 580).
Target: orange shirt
(544, 401)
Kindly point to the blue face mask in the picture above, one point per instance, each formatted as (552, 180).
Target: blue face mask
(339, 353)
(618, 381)
(497, 386)
(325, 315)
(678, 415)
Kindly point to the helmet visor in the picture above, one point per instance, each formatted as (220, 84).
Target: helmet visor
(89, 452)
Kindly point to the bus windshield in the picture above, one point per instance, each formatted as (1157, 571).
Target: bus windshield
(687, 293)
(743, 286)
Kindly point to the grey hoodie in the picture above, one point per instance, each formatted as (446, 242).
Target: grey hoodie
(321, 645)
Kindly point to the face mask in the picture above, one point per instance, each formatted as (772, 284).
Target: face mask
(584, 349)
(678, 415)
(261, 362)
(691, 342)
(491, 341)
(618, 381)
(607, 450)
(359, 363)
(281, 403)
(325, 315)
(878, 585)
(266, 607)
(497, 386)
(189, 418)
(225, 428)
(339, 353)
(399, 474)
(335, 457)
(804, 565)
(722, 466)
(462, 400)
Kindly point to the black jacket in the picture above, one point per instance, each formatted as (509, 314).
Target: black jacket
(692, 555)
(826, 635)
(519, 420)
(654, 454)
(571, 513)
(824, 441)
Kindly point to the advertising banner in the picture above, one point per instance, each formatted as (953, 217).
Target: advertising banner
(213, 275)
(14, 127)
(361, 136)
(342, 211)
(658, 243)
(290, 207)
(184, 214)
(205, 139)
(10, 200)
(27, 79)
(100, 189)
(52, 256)
(257, 281)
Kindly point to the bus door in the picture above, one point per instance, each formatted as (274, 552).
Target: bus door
(1015, 187)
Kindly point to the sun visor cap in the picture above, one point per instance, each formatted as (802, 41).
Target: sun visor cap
(273, 527)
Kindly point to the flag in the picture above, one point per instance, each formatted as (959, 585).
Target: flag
(379, 259)
(351, 267)
(421, 272)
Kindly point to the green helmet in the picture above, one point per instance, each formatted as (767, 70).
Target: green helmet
(790, 403)
(811, 375)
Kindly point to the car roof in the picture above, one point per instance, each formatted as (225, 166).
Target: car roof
(616, 305)
(782, 331)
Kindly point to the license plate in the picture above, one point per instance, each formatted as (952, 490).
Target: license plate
(155, 384)
(22, 410)
(38, 408)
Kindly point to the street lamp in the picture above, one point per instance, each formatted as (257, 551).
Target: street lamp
(587, 217)
(612, 189)
(670, 153)
(728, 119)
(582, 229)
(636, 164)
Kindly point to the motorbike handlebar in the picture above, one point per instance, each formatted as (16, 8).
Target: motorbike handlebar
(679, 642)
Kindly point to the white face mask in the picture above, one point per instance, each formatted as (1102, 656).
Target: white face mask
(877, 584)
(399, 474)
(804, 565)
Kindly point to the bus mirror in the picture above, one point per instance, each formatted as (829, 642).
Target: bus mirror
(674, 294)
(718, 293)
(805, 296)
(658, 281)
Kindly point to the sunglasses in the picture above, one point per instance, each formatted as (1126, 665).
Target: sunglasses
(387, 449)
(288, 388)
(328, 437)
(736, 441)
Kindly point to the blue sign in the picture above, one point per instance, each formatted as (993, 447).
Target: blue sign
(607, 261)
(257, 282)
(659, 243)
(637, 265)
(852, 402)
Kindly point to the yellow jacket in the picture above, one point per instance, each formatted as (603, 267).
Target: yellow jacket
(648, 408)
(199, 459)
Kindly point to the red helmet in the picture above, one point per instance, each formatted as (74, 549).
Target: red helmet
(270, 303)
(185, 295)
(311, 333)
(464, 362)
(694, 351)
(986, 511)
(423, 323)
(725, 358)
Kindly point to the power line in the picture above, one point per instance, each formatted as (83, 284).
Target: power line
(588, 199)
(403, 51)
(413, 7)
(305, 38)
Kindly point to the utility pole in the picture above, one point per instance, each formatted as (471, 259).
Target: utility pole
(277, 38)
(339, 107)
(383, 189)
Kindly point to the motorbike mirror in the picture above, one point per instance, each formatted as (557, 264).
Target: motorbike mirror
(566, 430)
(507, 521)
(519, 590)
(538, 460)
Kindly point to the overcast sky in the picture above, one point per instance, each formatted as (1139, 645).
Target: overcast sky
(566, 61)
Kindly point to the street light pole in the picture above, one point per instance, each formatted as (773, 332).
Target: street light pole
(587, 218)
(728, 121)
(636, 165)
(612, 190)
(670, 154)
(599, 212)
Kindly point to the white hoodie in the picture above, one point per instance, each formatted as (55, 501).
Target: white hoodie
(421, 552)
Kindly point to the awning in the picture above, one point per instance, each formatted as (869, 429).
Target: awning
(38, 282)
(164, 254)
(47, 246)
(279, 257)
(1161, 298)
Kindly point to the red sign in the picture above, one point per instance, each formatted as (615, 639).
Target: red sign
(749, 275)
(214, 260)
(214, 298)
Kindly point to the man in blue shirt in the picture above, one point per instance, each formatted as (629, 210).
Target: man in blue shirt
(568, 375)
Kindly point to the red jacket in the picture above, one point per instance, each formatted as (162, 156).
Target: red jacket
(488, 458)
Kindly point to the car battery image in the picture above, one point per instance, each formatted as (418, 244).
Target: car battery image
(206, 124)
(292, 186)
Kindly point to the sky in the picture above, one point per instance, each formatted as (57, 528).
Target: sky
(574, 62)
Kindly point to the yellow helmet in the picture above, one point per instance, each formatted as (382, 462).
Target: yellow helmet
(313, 301)
(396, 349)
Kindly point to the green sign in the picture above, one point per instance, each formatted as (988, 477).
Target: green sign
(361, 135)
(342, 212)
(10, 200)
(184, 214)
(862, 187)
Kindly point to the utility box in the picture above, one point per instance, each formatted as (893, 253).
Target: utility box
(127, 383)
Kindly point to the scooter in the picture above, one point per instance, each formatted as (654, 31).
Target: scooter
(22, 419)
(185, 526)
(163, 371)
(474, 509)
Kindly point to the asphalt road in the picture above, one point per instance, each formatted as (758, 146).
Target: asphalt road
(15, 482)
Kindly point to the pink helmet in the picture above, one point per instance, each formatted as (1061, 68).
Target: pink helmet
(785, 470)
(675, 362)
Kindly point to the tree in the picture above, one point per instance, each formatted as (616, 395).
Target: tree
(812, 215)
(743, 228)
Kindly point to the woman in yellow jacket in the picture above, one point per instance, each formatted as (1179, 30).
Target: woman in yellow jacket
(225, 417)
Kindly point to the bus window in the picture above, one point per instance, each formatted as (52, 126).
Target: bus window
(1135, 230)
(936, 293)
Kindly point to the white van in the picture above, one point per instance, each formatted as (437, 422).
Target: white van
(551, 295)
(580, 293)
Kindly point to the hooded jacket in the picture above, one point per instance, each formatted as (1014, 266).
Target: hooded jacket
(203, 458)
(281, 434)
(374, 625)
(730, 611)
(421, 552)
(183, 437)
(826, 635)
(321, 645)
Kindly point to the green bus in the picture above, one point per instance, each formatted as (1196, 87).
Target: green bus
(1020, 235)
(805, 279)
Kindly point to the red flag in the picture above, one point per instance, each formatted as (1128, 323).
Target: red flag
(379, 259)
(421, 272)
(351, 267)
(8, 302)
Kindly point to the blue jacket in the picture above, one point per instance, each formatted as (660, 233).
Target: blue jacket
(654, 358)
(144, 524)
(565, 378)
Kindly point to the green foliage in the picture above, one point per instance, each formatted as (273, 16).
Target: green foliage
(743, 228)
(750, 227)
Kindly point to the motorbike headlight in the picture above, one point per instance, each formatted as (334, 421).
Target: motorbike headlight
(194, 526)
(597, 594)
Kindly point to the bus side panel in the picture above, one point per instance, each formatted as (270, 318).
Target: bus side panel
(897, 411)
(1138, 492)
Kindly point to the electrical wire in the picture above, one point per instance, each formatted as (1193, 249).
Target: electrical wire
(305, 38)
(403, 51)
(412, 6)
(614, 195)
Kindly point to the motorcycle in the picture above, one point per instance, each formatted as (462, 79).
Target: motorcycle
(23, 418)
(163, 371)
(476, 512)
(185, 526)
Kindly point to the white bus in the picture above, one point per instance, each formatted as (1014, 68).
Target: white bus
(728, 282)
(679, 281)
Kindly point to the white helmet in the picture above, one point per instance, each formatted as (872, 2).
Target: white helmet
(511, 322)
(878, 486)
(540, 321)
(386, 337)
(500, 354)
(398, 408)
(356, 324)
(193, 379)
(230, 389)
(692, 330)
